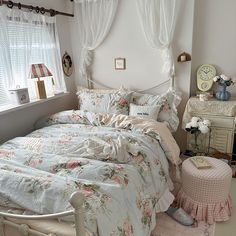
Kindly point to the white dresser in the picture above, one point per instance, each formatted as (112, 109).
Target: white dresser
(222, 117)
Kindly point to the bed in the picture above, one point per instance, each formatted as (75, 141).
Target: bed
(101, 174)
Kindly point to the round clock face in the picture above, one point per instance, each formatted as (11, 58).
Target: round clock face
(206, 72)
(205, 75)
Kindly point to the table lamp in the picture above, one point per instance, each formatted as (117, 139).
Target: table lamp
(39, 71)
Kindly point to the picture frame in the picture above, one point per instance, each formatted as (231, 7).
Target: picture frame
(67, 64)
(120, 63)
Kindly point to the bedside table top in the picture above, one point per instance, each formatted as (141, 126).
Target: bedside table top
(212, 106)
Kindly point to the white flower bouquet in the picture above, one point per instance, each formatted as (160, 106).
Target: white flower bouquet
(198, 126)
(224, 80)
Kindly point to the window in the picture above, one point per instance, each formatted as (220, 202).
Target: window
(26, 39)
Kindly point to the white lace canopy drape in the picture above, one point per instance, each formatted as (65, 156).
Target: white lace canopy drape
(95, 19)
(27, 38)
(158, 23)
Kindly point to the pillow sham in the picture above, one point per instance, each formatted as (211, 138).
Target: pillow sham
(110, 101)
(150, 112)
(168, 103)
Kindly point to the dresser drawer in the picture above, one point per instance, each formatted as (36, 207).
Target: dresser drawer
(218, 121)
(222, 140)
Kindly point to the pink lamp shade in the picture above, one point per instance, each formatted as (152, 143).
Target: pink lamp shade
(39, 71)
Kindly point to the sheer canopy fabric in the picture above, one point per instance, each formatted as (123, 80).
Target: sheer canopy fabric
(95, 18)
(27, 38)
(158, 22)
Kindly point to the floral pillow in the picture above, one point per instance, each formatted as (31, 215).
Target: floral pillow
(168, 102)
(110, 101)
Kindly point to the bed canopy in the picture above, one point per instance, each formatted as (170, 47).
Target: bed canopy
(157, 18)
(95, 20)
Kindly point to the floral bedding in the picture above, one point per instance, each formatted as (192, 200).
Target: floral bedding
(109, 101)
(117, 162)
(168, 101)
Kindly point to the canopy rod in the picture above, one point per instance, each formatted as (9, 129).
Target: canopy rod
(37, 9)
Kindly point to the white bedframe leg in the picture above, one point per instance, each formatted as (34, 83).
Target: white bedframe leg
(77, 200)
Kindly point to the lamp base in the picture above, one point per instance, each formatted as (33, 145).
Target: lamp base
(40, 89)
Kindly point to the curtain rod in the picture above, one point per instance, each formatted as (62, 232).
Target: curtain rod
(38, 9)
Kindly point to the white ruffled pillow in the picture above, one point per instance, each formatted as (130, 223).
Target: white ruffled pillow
(104, 101)
(168, 101)
(150, 112)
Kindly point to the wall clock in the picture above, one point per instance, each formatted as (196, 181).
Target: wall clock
(205, 75)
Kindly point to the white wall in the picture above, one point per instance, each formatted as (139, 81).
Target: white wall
(144, 63)
(214, 38)
(214, 42)
(21, 122)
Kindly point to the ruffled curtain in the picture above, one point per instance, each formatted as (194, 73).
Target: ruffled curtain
(12, 77)
(95, 18)
(27, 38)
(158, 22)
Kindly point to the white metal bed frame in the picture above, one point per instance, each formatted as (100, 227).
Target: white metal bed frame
(76, 200)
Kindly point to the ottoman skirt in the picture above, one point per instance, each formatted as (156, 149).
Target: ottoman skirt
(205, 193)
(208, 212)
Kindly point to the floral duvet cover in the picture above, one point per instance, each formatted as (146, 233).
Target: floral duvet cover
(118, 162)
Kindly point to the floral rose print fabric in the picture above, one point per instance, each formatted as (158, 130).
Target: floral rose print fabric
(116, 162)
(115, 102)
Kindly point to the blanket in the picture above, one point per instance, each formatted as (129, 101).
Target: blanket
(118, 162)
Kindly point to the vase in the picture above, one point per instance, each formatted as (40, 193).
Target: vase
(223, 95)
(195, 145)
(198, 144)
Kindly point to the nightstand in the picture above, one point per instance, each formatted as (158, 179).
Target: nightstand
(222, 116)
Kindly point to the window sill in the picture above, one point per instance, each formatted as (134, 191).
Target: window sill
(9, 108)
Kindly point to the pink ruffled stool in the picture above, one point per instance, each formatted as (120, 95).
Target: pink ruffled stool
(205, 193)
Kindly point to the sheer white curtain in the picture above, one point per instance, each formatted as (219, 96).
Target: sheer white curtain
(46, 49)
(95, 18)
(27, 38)
(158, 22)
(6, 68)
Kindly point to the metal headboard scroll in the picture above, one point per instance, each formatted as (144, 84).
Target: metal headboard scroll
(170, 80)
